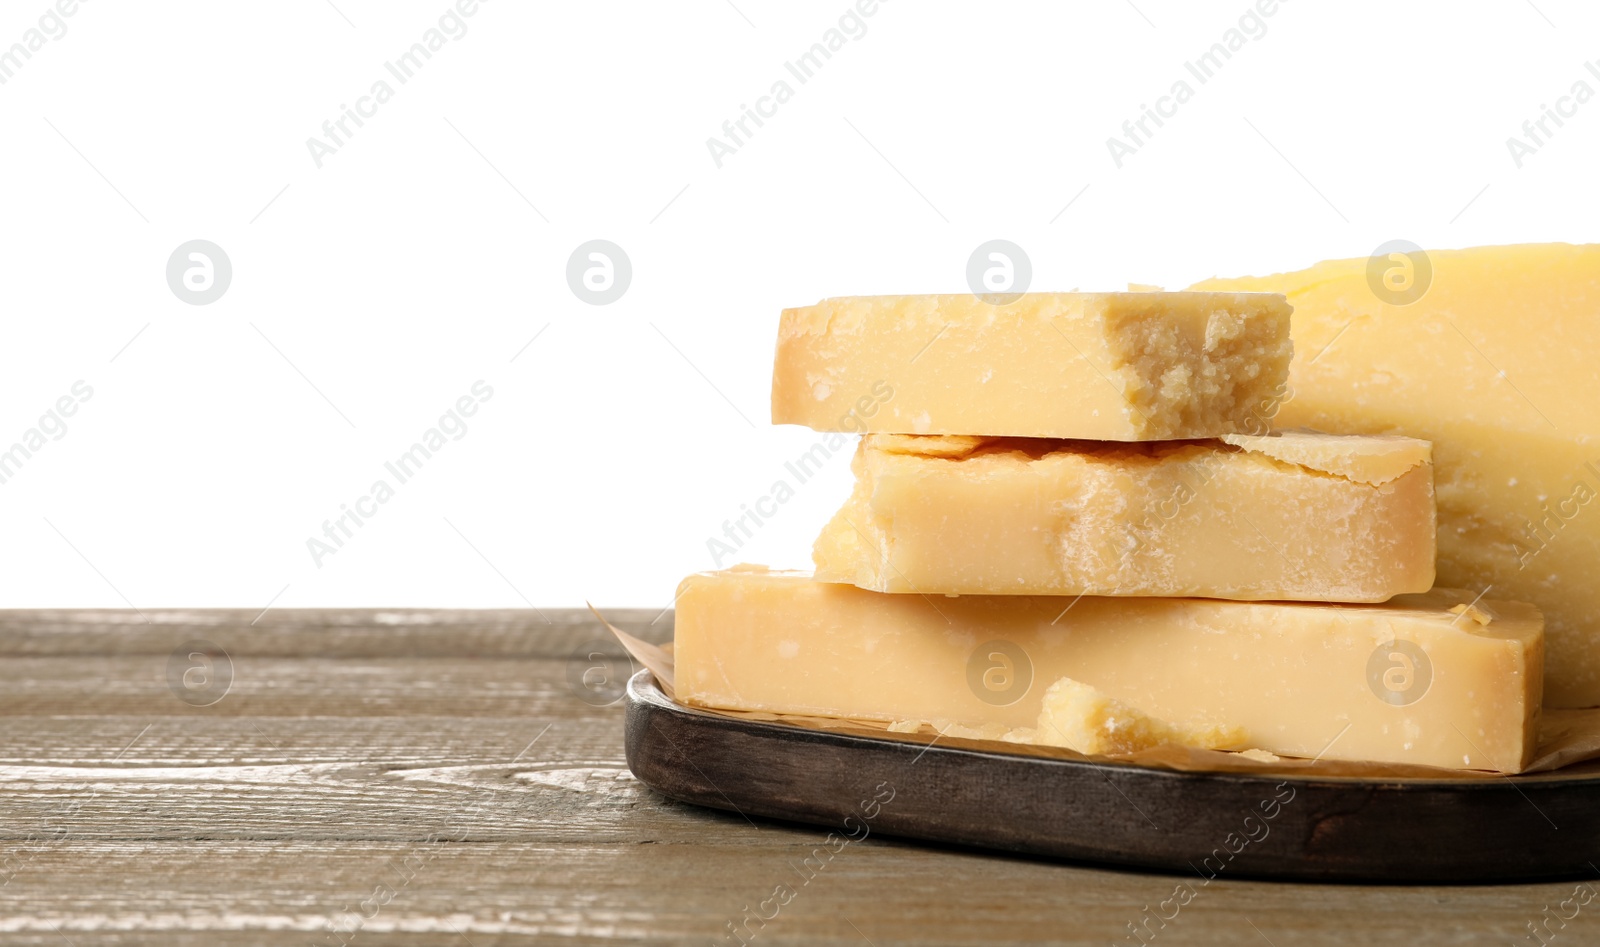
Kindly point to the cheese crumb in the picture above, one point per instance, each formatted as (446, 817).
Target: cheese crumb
(1081, 718)
(1473, 612)
(991, 731)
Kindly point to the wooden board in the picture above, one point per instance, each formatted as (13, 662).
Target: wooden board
(1239, 824)
(349, 738)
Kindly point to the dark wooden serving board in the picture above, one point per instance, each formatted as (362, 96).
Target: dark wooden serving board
(1200, 825)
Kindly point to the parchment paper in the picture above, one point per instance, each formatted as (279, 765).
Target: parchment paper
(1567, 739)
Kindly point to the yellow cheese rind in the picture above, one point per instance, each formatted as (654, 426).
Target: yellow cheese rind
(1081, 718)
(999, 516)
(1495, 364)
(1297, 679)
(1373, 459)
(1101, 366)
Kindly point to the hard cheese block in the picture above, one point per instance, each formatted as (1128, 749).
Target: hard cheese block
(1302, 516)
(1494, 363)
(1100, 366)
(1423, 679)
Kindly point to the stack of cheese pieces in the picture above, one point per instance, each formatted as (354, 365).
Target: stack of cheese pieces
(1073, 524)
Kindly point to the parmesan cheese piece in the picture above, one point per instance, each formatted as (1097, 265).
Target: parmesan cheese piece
(1406, 682)
(1490, 354)
(1081, 718)
(1375, 459)
(1102, 366)
(1301, 516)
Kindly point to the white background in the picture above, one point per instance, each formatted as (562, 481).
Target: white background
(429, 249)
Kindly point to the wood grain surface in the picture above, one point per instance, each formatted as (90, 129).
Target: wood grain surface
(428, 777)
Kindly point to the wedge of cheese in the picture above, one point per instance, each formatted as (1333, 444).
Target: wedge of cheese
(1429, 679)
(1491, 354)
(1301, 516)
(1100, 366)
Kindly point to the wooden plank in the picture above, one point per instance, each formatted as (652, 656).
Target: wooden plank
(687, 891)
(306, 633)
(351, 739)
(137, 685)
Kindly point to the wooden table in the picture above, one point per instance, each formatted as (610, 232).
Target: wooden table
(439, 777)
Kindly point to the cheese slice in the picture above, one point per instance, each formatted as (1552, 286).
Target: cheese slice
(1495, 364)
(1405, 682)
(1101, 366)
(1374, 459)
(1301, 516)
